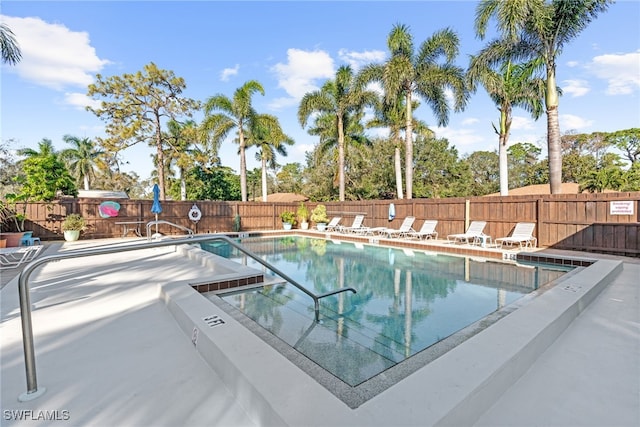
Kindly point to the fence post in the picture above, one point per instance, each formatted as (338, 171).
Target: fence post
(539, 220)
(467, 213)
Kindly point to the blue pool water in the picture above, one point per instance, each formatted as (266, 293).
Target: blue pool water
(406, 300)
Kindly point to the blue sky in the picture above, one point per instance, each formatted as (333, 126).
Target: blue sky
(291, 47)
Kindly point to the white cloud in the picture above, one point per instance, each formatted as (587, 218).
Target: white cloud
(621, 71)
(53, 55)
(575, 88)
(228, 72)
(470, 121)
(302, 71)
(358, 59)
(522, 123)
(80, 100)
(570, 122)
(572, 64)
(459, 137)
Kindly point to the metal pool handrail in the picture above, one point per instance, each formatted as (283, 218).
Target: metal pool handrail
(161, 221)
(25, 297)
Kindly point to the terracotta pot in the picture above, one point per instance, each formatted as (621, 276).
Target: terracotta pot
(13, 239)
(3, 243)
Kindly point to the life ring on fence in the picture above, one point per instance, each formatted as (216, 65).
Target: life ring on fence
(195, 214)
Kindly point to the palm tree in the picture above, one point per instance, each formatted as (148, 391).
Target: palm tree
(267, 135)
(510, 85)
(83, 159)
(325, 127)
(9, 46)
(45, 149)
(421, 75)
(392, 116)
(236, 113)
(338, 97)
(539, 29)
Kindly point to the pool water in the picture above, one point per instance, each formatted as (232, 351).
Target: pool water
(406, 300)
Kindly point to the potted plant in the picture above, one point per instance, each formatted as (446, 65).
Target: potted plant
(72, 225)
(288, 219)
(319, 216)
(303, 216)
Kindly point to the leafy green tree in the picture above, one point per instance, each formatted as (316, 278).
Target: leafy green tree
(508, 85)
(9, 47)
(338, 98)
(485, 172)
(46, 176)
(627, 141)
(268, 136)
(631, 178)
(372, 170)
(539, 29)
(607, 176)
(134, 106)
(525, 166)
(236, 113)
(290, 178)
(439, 172)
(411, 74)
(183, 150)
(82, 160)
(10, 172)
(216, 183)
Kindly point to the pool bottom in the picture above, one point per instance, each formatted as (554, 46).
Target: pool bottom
(455, 388)
(356, 395)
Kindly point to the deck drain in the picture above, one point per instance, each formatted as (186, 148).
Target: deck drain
(213, 320)
(572, 288)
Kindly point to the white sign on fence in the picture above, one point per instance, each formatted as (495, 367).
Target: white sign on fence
(621, 207)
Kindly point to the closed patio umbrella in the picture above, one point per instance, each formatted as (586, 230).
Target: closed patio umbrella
(156, 208)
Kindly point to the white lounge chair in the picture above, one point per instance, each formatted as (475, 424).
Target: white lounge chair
(405, 228)
(334, 224)
(356, 227)
(522, 234)
(427, 231)
(474, 232)
(13, 257)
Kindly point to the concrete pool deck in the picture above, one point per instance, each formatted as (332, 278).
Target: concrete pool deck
(110, 352)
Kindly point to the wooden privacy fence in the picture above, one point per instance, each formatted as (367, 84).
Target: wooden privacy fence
(606, 223)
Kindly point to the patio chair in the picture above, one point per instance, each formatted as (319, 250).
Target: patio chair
(427, 231)
(28, 239)
(522, 234)
(474, 232)
(334, 224)
(356, 227)
(13, 257)
(405, 228)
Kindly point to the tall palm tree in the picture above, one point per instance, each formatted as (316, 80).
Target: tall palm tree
(391, 115)
(83, 159)
(508, 85)
(236, 113)
(412, 74)
(325, 127)
(338, 97)
(267, 135)
(9, 48)
(539, 29)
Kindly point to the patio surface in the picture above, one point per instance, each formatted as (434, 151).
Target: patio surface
(109, 352)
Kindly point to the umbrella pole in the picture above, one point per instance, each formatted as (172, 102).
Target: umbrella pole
(156, 225)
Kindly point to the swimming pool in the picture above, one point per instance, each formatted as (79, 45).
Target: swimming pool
(407, 300)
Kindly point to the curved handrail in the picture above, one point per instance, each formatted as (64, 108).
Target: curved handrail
(162, 221)
(25, 297)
